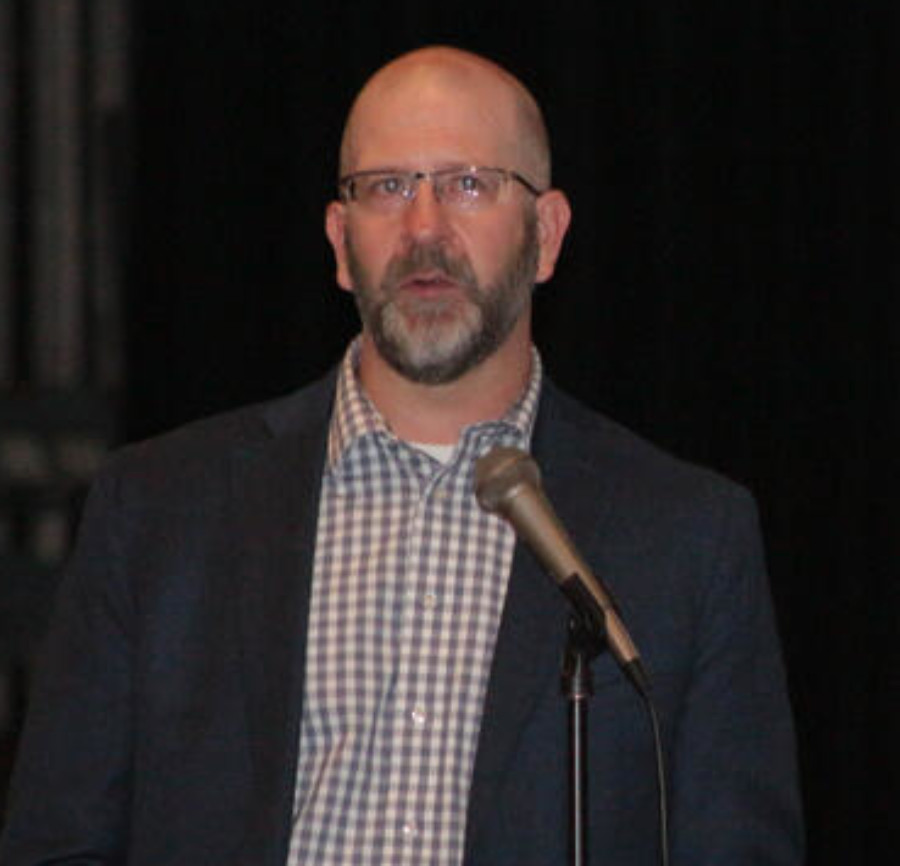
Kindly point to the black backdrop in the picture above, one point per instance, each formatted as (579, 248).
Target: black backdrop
(729, 288)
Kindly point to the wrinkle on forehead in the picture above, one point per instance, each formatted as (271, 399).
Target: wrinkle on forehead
(438, 74)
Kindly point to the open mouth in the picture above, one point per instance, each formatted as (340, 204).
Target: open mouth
(428, 282)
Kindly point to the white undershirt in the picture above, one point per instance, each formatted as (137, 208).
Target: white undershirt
(441, 453)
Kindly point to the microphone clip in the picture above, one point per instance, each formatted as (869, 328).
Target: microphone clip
(588, 617)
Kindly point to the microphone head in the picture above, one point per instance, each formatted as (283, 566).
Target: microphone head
(500, 473)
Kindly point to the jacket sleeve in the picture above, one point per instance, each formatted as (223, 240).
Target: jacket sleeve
(733, 767)
(69, 799)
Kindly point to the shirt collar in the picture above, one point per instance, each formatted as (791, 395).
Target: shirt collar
(355, 416)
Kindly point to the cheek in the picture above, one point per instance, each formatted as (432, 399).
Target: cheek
(372, 250)
(489, 246)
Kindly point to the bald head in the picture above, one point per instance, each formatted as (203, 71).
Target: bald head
(438, 87)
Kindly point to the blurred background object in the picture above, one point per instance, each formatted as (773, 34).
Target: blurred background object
(63, 126)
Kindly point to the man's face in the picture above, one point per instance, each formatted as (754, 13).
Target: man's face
(438, 289)
(430, 316)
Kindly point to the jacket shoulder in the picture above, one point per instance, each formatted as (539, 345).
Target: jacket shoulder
(196, 450)
(601, 444)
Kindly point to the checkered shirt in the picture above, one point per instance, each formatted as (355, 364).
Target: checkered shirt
(409, 582)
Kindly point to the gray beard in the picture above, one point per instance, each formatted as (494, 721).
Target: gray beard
(433, 341)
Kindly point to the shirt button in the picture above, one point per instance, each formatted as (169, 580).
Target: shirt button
(429, 601)
(409, 830)
(418, 716)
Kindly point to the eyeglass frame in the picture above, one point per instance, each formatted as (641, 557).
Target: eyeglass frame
(345, 183)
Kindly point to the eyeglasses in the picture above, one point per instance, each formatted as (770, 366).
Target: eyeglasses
(472, 188)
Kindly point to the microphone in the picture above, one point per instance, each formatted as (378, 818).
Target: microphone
(508, 483)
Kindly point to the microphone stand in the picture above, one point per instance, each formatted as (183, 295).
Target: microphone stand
(584, 643)
(587, 637)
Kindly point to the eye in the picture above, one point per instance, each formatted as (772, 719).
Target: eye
(385, 186)
(466, 184)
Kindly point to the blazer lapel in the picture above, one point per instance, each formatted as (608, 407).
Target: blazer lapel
(276, 495)
(530, 643)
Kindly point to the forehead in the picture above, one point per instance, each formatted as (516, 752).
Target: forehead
(429, 117)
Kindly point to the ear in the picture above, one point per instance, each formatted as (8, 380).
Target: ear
(554, 215)
(336, 229)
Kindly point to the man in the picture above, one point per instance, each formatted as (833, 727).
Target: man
(290, 635)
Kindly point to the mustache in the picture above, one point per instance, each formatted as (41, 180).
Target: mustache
(429, 257)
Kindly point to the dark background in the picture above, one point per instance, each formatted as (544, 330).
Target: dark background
(729, 287)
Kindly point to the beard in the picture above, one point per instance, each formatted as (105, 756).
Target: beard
(435, 340)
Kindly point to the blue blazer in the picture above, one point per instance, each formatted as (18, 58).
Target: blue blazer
(165, 718)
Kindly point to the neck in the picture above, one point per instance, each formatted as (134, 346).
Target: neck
(437, 414)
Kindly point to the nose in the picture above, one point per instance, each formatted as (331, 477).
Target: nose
(424, 216)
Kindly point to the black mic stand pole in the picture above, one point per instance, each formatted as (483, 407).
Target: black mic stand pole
(582, 647)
